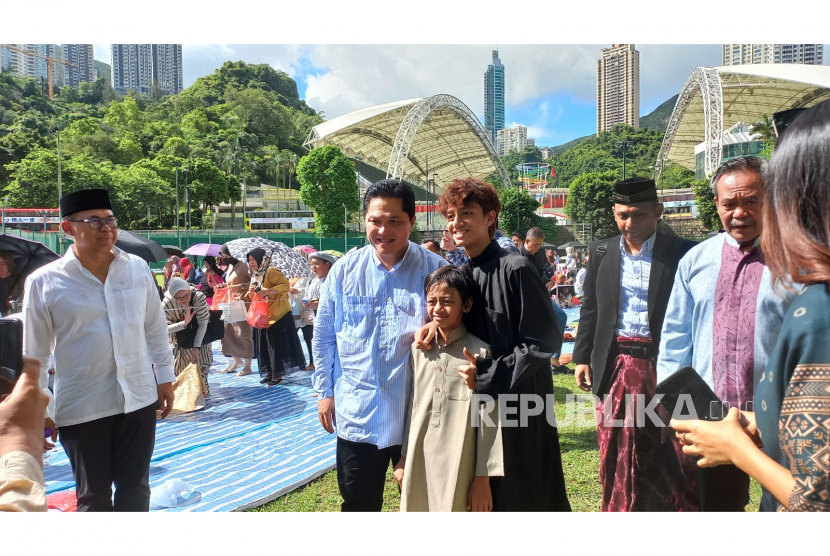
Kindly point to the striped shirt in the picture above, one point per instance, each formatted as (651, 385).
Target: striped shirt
(365, 325)
(632, 314)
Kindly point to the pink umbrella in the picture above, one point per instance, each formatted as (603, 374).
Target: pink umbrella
(307, 248)
(204, 250)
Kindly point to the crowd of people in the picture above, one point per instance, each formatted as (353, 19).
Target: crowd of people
(420, 354)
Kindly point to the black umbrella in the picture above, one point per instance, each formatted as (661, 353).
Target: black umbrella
(149, 250)
(572, 244)
(28, 255)
(173, 250)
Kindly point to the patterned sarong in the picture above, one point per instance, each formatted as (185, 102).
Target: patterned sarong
(639, 472)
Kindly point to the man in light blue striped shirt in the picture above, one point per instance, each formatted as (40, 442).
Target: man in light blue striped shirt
(370, 307)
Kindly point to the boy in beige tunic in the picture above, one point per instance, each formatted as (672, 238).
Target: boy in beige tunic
(446, 460)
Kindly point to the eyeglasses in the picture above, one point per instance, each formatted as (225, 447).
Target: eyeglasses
(96, 222)
(182, 297)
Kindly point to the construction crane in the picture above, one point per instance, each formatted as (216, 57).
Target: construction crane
(50, 65)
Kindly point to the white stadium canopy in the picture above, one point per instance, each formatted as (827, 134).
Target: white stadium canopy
(414, 139)
(716, 98)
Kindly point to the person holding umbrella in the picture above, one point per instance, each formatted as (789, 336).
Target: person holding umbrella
(279, 345)
(238, 342)
(11, 286)
(97, 311)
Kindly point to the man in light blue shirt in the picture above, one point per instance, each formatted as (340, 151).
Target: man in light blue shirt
(370, 307)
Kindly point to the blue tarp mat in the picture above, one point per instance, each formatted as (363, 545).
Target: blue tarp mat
(250, 445)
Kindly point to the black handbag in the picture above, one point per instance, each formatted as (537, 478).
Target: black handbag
(215, 330)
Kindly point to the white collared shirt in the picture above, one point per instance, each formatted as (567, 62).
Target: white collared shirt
(105, 337)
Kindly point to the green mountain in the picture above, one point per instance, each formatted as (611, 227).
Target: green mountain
(562, 148)
(103, 70)
(243, 123)
(658, 120)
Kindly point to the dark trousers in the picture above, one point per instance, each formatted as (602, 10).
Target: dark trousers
(308, 334)
(724, 488)
(114, 449)
(361, 474)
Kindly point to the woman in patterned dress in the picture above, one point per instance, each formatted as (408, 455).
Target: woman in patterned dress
(182, 303)
(792, 395)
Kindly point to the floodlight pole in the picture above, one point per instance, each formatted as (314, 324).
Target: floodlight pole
(345, 228)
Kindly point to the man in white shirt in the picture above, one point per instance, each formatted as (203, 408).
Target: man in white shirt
(97, 310)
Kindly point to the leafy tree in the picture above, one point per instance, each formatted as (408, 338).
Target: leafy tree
(35, 183)
(675, 176)
(125, 116)
(765, 128)
(590, 200)
(208, 186)
(327, 182)
(139, 191)
(707, 210)
(517, 209)
(129, 149)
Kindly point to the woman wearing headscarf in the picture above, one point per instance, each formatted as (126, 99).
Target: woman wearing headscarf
(188, 272)
(279, 345)
(182, 303)
(238, 342)
(171, 268)
(11, 286)
(211, 277)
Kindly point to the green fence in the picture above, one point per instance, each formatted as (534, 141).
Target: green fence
(185, 239)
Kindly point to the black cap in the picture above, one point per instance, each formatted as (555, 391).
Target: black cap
(635, 190)
(86, 199)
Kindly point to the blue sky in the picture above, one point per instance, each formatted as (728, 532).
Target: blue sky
(551, 89)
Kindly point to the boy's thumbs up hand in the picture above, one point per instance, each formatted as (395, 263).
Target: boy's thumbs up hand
(468, 371)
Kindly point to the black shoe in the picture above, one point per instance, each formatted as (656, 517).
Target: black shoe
(274, 382)
(265, 380)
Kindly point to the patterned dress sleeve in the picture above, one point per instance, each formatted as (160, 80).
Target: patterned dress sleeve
(804, 428)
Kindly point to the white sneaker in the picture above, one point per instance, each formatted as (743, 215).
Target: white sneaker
(244, 372)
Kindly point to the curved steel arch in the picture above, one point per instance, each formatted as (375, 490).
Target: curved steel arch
(416, 116)
(708, 82)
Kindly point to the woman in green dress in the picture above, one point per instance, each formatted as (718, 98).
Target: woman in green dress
(785, 444)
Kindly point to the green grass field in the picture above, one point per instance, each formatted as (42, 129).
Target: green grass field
(580, 460)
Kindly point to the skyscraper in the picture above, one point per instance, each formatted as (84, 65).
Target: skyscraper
(494, 98)
(24, 65)
(737, 54)
(618, 87)
(512, 138)
(82, 69)
(167, 67)
(140, 66)
(799, 54)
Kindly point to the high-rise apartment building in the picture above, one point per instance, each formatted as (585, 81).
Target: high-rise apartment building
(799, 54)
(741, 54)
(140, 66)
(167, 67)
(25, 65)
(82, 69)
(511, 138)
(494, 98)
(618, 87)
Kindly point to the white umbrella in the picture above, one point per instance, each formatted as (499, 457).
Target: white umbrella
(282, 257)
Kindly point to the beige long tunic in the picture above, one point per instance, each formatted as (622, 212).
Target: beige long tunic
(443, 450)
(238, 340)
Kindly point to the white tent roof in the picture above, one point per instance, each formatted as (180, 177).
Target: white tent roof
(714, 99)
(414, 139)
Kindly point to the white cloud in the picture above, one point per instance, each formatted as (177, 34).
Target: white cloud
(356, 76)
